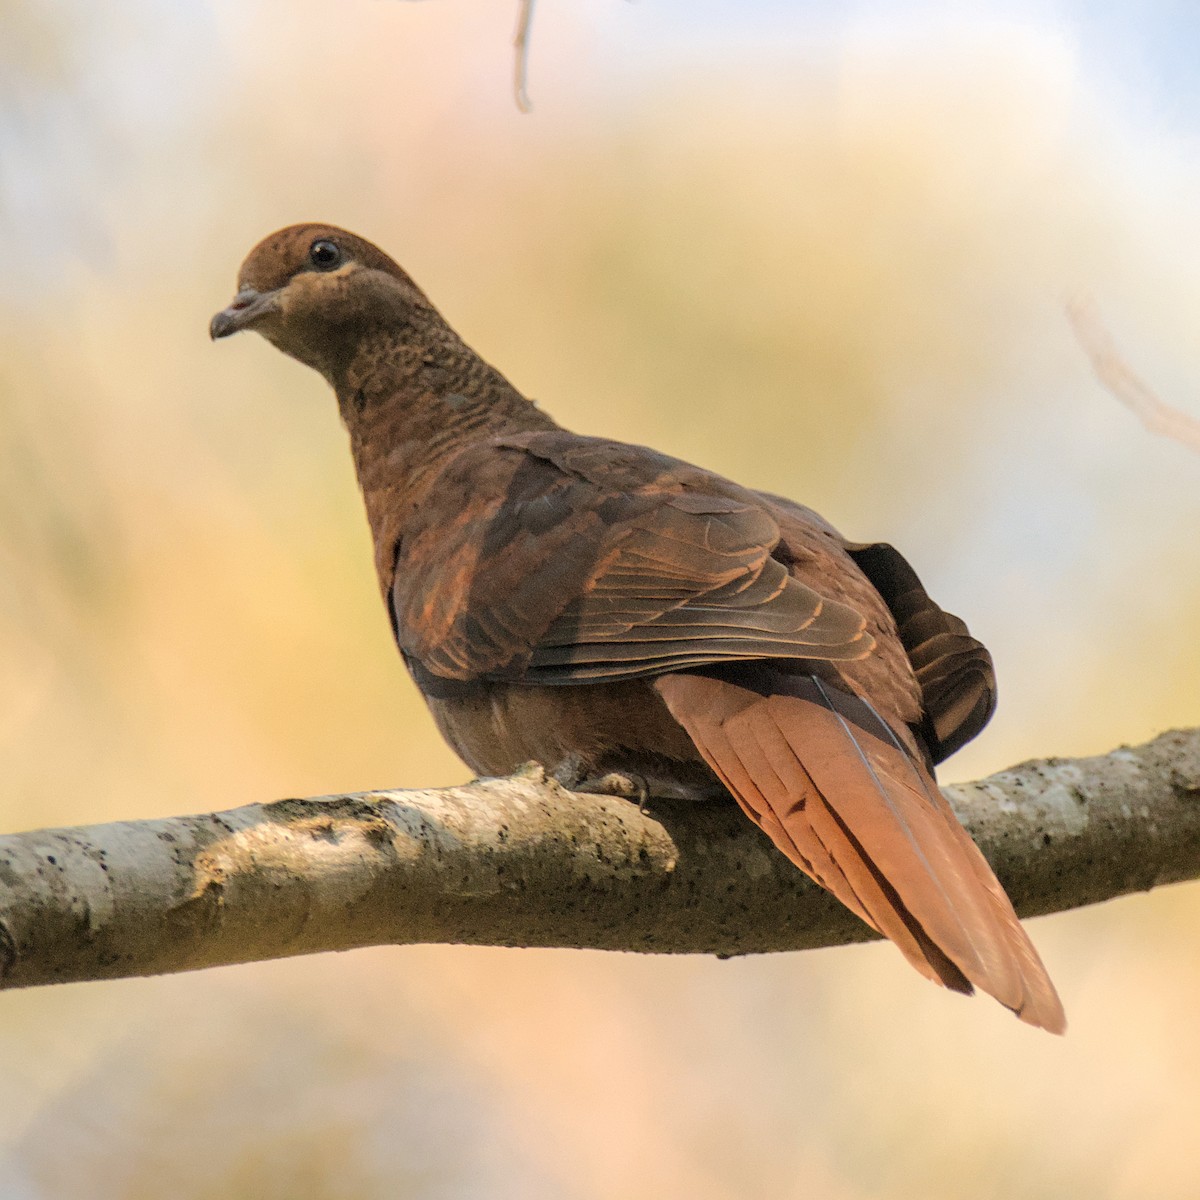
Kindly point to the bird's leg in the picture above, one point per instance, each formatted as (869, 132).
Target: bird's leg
(572, 774)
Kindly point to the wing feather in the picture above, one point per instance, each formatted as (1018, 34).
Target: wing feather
(568, 578)
(954, 669)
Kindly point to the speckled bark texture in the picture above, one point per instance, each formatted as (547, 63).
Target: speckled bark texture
(520, 862)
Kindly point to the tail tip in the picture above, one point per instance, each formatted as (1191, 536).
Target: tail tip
(1045, 1013)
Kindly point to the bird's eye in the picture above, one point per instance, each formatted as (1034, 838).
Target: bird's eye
(324, 254)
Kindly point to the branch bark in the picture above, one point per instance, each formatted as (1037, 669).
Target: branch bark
(521, 862)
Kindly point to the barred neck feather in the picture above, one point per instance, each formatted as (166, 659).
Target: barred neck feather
(412, 398)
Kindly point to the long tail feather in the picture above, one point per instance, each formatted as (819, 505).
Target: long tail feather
(837, 791)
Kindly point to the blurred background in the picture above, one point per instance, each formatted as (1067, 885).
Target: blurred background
(822, 247)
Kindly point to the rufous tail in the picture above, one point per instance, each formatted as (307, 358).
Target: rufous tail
(836, 790)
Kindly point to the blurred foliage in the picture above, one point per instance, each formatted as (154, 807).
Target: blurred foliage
(835, 270)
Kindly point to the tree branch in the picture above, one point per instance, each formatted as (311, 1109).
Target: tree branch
(520, 862)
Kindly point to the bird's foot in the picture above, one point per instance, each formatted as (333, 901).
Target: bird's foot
(614, 783)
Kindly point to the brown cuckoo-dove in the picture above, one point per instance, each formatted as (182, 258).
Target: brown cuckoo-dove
(636, 623)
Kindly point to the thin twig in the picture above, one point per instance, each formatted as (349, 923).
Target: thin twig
(1115, 375)
(521, 55)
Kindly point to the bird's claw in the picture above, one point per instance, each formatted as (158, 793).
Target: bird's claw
(617, 783)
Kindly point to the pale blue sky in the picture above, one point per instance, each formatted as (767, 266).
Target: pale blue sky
(1151, 48)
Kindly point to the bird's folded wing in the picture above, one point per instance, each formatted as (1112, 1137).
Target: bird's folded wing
(691, 583)
(570, 581)
(835, 790)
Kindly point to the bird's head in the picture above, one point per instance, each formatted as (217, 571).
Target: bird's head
(315, 291)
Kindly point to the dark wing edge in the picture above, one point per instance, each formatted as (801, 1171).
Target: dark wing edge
(954, 669)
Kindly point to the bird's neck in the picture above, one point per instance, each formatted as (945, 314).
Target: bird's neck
(410, 403)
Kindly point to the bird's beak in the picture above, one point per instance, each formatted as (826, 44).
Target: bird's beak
(247, 308)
